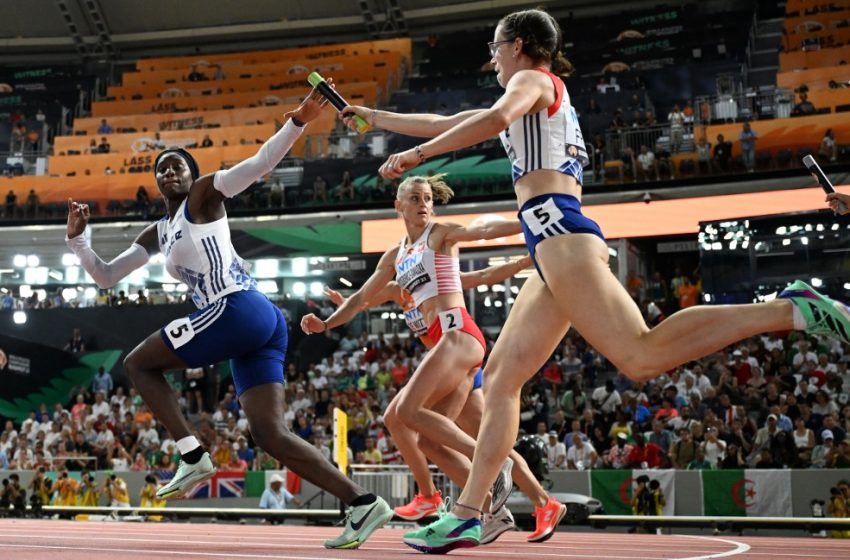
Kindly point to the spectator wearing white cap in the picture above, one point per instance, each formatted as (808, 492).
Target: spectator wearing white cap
(557, 452)
(276, 497)
(824, 454)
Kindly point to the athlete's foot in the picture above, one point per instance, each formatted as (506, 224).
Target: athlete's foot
(547, 519)
(822, 315)
(187, 477)
(446, 534)
(360, 523)
(495, 524)
(502, 486)
(420, 507)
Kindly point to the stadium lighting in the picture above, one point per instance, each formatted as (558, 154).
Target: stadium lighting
(299, 288)
(90, 293)
(817, 282)
(345, 282)
(299, 267)
(19, 261)
(33, 260)
(385, 315)
(267, 286)
(70, 259)
(19, 317)
(316, 289)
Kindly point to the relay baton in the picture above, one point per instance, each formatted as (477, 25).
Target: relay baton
(335, 99)
(824, 181)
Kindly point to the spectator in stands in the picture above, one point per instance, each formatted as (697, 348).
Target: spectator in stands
(104, 128)
(195, 75)
(647, 167)
(828, 149)
(557, 452)
(276, 193)
(33, 204)
(722, 153)
(676, 119)
(207, 141)
(618, 455)
(104, 147)
(320, 189)
(581, 454)
(700, 463)
(18, 138)
(748, 146)
(663, 160)
(804, 107)
(11, 204)
(593, 107)
(346, 188)
(76, 343)
(276, 497)
(102, 382)
(688, 294)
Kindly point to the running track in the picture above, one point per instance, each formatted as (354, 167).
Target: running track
(47, 540)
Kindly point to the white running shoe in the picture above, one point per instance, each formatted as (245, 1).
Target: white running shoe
(502, 486)
(494, 524)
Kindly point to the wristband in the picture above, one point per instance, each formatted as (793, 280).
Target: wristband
(419, 153)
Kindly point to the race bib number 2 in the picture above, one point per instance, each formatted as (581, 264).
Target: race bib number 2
(542, 216)
(451, 320)
(179, 331)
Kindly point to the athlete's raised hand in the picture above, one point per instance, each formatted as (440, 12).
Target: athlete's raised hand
(365, 113)
(333, 295)
(78, 218)
(838, 202)
(311, 107)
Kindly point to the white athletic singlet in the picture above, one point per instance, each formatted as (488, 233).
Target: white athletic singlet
(201, 256)
(424, 272)
(549, 139)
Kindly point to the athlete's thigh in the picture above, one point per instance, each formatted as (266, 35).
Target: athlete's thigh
(451, 405)
(469, 419)
(535, 327)
(442, 369)
(600, 308)
(154, 354)
(263, 403)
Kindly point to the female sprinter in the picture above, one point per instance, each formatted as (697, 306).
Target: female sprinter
(426, 265)
(234, 321)
(451, 462)
(540, 132)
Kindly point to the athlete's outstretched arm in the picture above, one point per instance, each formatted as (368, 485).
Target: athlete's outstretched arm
(390, 292)
(352, 306)
(211, 190)
(493, 274)
(522, 93)
(489, 230)
(425, 125)
(106, 274)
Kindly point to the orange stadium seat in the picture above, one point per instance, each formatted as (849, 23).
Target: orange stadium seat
(318, 52)
(815, 78)
(138, 142)
(801, 60)
(787, 134)
(364, 92)
(824, 18)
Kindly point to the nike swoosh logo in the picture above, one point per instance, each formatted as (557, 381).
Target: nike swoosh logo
(357, 524)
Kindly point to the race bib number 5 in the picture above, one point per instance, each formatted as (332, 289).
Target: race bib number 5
(179, 331)
(451, 320)
(539, 218)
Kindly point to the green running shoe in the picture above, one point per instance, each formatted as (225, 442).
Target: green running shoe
(445, 534)
(823, 315)
(187, 477)
(360, 522)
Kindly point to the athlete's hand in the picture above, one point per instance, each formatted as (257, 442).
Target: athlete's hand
(525, 262)
(365, 113)
(397, 164)
(311, 324)
(333, 295)
(78, 218)
(310, 108)
(838, 202)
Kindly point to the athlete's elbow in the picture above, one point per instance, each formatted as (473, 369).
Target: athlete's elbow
(499, 119)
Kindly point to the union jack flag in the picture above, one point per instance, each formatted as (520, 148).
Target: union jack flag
(202, 490)
(229, 485)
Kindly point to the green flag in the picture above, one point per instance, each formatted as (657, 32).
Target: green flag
(752, 493)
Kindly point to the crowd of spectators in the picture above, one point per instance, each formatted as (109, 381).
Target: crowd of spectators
(773, 401)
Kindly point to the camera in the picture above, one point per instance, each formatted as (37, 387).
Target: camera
(150, 479)
(647, 198)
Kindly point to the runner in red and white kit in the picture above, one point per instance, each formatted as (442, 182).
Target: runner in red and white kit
(426, 265)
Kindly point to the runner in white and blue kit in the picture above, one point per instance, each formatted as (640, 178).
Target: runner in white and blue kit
(233, 322)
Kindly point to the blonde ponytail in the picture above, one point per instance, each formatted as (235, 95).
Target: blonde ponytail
(441, 191)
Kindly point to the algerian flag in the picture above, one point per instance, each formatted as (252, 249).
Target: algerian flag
(615, 488)
(751, 493)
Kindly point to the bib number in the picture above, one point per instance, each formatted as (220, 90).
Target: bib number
(540, 217)
(451, 320)
(179, 331)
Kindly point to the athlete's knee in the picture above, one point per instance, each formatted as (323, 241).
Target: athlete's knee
(132, 364)
(264, 435)
(407, 411)
(642, 366)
